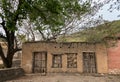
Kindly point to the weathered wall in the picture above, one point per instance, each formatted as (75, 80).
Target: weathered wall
(102, 59)
(114, 58)
(63, 48)
(7, 74)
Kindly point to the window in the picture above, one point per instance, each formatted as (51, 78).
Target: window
(57, 61)
(72, 60)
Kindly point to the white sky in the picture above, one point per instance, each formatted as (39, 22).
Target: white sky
(107, 15)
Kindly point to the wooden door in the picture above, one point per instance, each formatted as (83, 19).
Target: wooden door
(89, 62)
(40, 63)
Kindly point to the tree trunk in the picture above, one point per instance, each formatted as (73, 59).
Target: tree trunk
(10, 33)
(10, 37)
(7, 58)
(7, 61)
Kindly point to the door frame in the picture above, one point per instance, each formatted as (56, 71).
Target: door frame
(33, 59)
(95, 57)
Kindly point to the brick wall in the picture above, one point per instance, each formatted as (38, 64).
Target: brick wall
(114, 58)
(11, 73)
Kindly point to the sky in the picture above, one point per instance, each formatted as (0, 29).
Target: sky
(107, 15)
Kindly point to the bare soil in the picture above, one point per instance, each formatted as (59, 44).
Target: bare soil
(67, 78)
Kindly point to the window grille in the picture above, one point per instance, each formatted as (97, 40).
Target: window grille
(57, 61)
(72, 60)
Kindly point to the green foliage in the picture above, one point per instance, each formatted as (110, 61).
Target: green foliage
(45, 14)
(11, 15)
(21, 37)
(95, 34)
(54, 13)
(108, 29)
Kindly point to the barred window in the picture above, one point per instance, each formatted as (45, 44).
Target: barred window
(72, 60)
(57, 61)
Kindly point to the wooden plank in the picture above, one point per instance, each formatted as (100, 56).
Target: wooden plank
(89, 62)
(40, 62)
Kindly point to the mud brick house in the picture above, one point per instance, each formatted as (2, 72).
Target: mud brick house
(55, 57)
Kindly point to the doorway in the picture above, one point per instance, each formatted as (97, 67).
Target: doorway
(89, 62)
(40, 63)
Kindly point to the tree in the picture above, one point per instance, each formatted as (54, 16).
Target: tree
(53, 22)
(51, 13)
(26, 32)
(11, 12)
(114, 5)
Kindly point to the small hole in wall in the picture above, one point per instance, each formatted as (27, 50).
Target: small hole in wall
(68, 47)
(55, 46)
(60, 47)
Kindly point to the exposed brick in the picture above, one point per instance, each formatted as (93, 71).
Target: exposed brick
(114, 58)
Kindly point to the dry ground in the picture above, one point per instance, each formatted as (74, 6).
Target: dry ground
(67, 78)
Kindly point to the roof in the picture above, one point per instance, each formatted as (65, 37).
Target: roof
(58, 42)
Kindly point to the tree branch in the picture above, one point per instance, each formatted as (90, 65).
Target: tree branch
(17, 49)
(42, 34)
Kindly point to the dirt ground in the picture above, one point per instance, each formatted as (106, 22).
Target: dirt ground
(66, 78)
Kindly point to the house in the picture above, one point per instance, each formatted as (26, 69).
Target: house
(64, 57)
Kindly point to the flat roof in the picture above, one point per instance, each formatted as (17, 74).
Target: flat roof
(58, 42)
